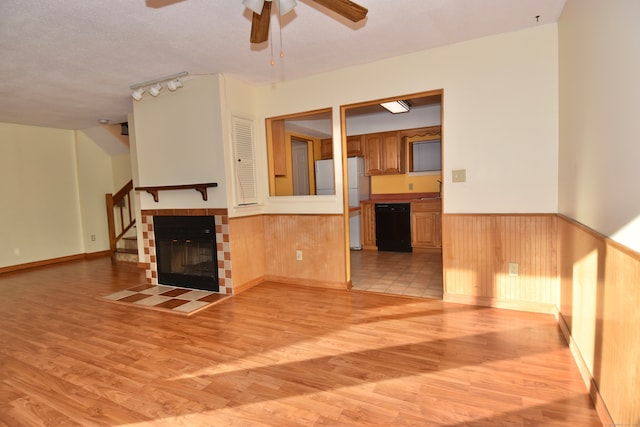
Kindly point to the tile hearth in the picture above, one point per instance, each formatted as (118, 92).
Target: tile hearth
(167, 298)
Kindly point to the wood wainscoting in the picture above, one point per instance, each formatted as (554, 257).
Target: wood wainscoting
(248, 248)
(321, 238)
(590, 282)
(600, 317)
(477, 251)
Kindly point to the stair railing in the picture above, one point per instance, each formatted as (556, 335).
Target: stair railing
(119, 215)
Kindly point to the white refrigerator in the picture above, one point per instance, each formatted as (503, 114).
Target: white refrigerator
(324, 177)
(359, 189)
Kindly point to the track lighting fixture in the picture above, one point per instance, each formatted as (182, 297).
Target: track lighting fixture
(155, 89)
(137, 94)
(174, 84)
(155, 86)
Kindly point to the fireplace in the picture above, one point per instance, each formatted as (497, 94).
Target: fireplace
(186, 251)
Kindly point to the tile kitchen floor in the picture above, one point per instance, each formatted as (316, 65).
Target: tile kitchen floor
(411, 274)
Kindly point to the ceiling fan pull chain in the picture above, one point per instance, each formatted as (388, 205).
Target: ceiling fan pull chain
(273, 62)
(280, 31)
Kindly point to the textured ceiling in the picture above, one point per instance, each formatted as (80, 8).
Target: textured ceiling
(66, 64)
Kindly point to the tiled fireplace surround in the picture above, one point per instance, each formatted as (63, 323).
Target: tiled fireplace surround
(222, 242)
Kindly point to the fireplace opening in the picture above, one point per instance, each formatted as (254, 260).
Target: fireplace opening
(186, 251)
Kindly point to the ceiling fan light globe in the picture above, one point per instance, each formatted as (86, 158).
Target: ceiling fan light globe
(286, 6)
(254, 5)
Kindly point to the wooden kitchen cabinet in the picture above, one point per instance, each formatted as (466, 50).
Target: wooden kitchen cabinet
(326, 148)
(426, 225)
(368, 225)
(355, 145)
(384, 154)
(278, 148)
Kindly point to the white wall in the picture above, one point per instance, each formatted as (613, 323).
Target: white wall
(599, 110)
(121, 169)
(238, 99)
(178, 139)
(95, 179)
(500, 117)
(40, 215)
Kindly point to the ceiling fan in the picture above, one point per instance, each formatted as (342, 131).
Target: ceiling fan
(262, 13)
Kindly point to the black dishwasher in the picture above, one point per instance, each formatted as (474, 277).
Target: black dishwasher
(393, 227)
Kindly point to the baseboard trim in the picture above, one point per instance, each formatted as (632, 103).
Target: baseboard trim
(307, 282)
(97, 254)
(535, 307)
(250, 284)
(42, 263)
(596, 397)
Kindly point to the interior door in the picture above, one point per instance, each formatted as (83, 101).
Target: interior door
(300, 165)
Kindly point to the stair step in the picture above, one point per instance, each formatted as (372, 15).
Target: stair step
(130, 242)
(126, 255)
(127, 250)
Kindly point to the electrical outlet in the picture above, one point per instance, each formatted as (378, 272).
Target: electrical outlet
(513, 269)
(298, 255)
(411, 186)
(459, 175)
(93, 237)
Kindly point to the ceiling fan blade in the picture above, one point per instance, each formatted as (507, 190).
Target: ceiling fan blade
(350, 10)
(260, 24)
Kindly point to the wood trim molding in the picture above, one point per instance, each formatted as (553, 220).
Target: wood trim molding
(480, 301)
(307, 282)
(626, 250)
(41, 263)
(589, 382)
(243, 287)
(99, 254)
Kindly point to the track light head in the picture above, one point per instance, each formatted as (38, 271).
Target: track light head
(174, 84)
(155, 89)
(137, 94)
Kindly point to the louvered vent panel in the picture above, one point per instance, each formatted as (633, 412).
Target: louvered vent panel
(244, 162)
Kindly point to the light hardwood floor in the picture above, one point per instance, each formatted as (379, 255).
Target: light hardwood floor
(274, 355)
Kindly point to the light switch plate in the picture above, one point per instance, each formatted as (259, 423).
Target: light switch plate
(459, 175)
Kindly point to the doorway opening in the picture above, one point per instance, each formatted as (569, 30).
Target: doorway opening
(300, 167)
(387, 142)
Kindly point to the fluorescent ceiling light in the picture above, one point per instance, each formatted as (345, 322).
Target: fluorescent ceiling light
(396, 106)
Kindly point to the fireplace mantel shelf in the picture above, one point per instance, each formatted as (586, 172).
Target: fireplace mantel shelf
(201, 188)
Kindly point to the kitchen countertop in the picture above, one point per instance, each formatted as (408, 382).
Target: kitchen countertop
(404, 198)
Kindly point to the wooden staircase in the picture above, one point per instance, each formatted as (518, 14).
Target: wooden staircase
(123, 243)
(127, 250)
